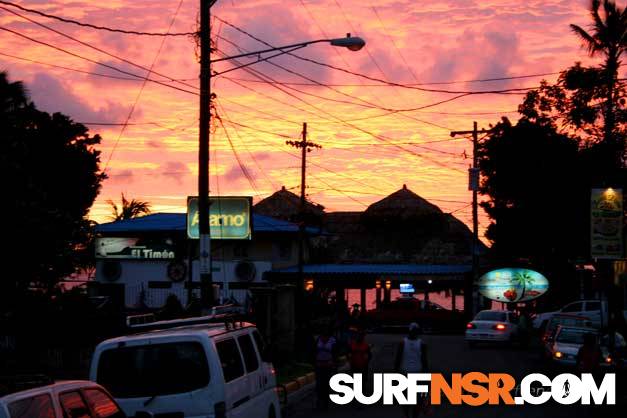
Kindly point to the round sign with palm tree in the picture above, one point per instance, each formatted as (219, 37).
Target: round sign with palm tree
(512, 285)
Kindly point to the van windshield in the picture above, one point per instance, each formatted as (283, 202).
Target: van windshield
(153, 370)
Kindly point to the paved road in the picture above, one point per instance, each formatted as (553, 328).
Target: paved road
(449, 354)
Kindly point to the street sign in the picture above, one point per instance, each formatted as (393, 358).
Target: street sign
(473, 179)
(512, 285)
(606, 223)
(230, 217)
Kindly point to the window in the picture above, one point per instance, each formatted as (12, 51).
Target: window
(153, 370)
(573, 307)
(284, 250)
(593, 306)
(230, 358)
(240, 250)
(73, 405)
(102, 405)
(261, 347)
(490, 316)
(248, 351)
(35, 407)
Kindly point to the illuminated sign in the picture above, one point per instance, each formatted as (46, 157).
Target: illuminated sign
(512, 285)
(407, 288)
(134, 248)
(229, 217)
(606, 218)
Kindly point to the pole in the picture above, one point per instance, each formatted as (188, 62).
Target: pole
(301, 217)
(305, 147)
(475, 219)
(206, 282)
(473, 185)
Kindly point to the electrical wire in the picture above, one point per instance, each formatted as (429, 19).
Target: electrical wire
(88, 25)
(102, 51)
(141, 89)
(520, 90)
(139, 77)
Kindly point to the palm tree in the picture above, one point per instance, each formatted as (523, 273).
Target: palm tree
(607, 36)
(13, 94)
(523, 279)
(130, 209)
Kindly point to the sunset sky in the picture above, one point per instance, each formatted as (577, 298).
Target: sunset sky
(408, 42)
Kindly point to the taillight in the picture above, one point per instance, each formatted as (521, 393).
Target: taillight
(219, 410)
(499, 327)
(470, 325)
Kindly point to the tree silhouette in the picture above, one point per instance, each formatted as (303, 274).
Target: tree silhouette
(52, 177)
(607, 36)
(128, 209)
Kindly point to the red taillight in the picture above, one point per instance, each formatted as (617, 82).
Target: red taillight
(499, 327)
(470, 325)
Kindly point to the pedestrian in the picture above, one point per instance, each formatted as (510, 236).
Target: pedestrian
(359, 354)
(589, 355)
(411, 357)
(325, 366)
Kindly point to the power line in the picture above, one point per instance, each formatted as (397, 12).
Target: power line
(141, 89)
(520, 90)
(89, 25)
(102, 51)
(344, 122)
(93, 61)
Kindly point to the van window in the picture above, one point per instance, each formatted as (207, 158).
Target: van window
(34, 407)
(153, 370)
(259, 341)
(73, 405)
(573, 307)
(248, 351)
(230, 359)
(102, 405)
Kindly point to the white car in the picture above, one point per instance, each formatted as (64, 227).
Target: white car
(189, 369)
(492, 326)
(594, 310)
(68, 399)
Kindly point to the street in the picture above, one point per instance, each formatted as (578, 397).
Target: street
(449, 354)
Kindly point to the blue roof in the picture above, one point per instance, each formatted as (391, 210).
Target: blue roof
(381, 269)
(169, 222)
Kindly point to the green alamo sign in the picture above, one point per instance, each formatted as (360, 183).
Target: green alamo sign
(229, 217)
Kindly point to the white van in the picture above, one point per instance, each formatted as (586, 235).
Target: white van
(204, 370)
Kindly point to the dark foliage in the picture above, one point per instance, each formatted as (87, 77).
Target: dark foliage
(52, 177)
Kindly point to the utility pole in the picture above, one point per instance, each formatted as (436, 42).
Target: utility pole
(305, 147)
(473, 184)
(206, 281)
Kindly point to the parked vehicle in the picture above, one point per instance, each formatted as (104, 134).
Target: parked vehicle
(557, 320)
(406, 309)
(594, 309)
(568, 341)
(492, 326)
(187, 368)
(68, 399)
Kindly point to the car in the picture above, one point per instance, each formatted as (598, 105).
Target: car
(64, 399)
(594, 309)
(568, 341)
(189, 368)
(492, 326)
(548, 336)
(407, 309)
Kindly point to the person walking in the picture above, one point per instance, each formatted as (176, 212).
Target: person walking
(589, 355)
(325, 366)
(411, 357)
(359, 354)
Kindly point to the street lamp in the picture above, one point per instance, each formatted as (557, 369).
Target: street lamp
(353, 43)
